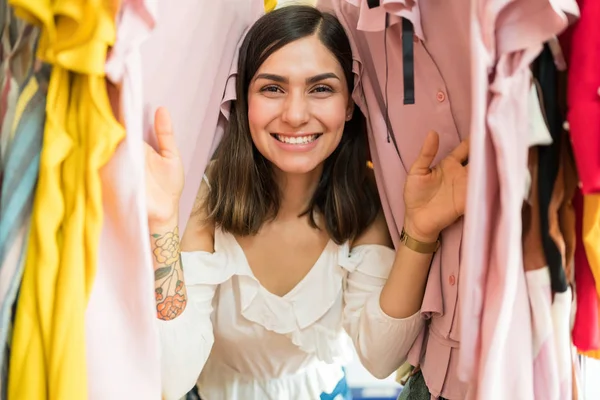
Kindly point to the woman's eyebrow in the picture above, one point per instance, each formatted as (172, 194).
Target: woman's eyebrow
(283, 79)
(321, 77)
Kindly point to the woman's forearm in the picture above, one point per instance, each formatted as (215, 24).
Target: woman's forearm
(402, 295)
(170, 292)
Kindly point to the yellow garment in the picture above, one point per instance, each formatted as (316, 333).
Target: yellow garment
(403, 373)
(592, 354)
(591, 234)
(591, 242)
(48, 358)
(270, 5)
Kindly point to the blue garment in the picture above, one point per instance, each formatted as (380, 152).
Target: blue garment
(340, 392)
(20, 167)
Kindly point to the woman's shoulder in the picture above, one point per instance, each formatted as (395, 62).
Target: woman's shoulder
(376, 233)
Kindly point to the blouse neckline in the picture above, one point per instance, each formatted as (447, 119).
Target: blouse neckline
(236, 247)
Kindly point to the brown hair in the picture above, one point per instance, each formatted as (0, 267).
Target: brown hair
(244, 194)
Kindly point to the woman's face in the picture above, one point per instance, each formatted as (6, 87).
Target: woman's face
(298, 102)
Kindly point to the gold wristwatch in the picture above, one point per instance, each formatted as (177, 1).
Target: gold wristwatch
(418, 246)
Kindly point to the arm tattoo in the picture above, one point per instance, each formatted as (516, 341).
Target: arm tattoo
(170, 293)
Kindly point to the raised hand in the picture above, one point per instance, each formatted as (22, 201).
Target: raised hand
(164, 171)
(435, 197)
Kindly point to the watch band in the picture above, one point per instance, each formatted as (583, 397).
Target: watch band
(418, 246)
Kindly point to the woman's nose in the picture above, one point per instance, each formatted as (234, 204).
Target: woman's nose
(296, 110)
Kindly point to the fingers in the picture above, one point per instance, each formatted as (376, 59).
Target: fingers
(461, 152)
(427, 155)
(167, 147)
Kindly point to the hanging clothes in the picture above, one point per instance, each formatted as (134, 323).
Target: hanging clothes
(404, 94)
(204, 86)
(583, 97)
(546, 383)
(122, 348)
(20, 143)
(497, 338)
(20, 178)
(203, 89)
(586, 328)
(550, 313)
(17, 41)
(592, 354)
(580, 44)
(551, 183)
(270, 5)
(20, 166)
(48, 351)
(591, 234)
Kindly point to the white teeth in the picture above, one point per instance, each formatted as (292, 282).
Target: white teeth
(296, 139)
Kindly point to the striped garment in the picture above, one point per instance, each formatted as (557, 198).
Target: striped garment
(23, 103)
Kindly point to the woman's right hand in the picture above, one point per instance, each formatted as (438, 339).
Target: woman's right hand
(164, 171)
(435, 196)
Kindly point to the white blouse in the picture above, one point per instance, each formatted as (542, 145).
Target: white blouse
(239, 341)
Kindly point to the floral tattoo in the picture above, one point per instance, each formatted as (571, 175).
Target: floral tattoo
(170, 294)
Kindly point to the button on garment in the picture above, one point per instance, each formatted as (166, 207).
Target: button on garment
(48, 349)
(441, 64)
(280, 348)
(452, 280)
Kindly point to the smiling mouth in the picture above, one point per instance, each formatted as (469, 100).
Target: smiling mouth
(296, 139)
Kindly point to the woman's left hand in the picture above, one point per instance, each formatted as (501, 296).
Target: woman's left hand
(435, 197)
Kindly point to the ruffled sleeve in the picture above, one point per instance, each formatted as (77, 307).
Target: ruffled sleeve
(382, 342)
(187, 340)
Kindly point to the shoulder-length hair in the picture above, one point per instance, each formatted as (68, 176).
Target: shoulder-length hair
(244, 194)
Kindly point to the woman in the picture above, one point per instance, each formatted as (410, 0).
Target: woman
(287, 247)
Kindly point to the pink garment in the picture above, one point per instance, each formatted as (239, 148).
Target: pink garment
(121, 337)
(552, 361)
(545, 372)
(496, 334)
(442, 103)
(586, 330)
(561, 320)
(198, 40)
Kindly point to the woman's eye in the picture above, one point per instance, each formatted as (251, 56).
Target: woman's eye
(272, 89)
(322, 89)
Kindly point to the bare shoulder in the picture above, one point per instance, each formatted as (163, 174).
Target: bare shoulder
(199, 232)
(376, 233)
